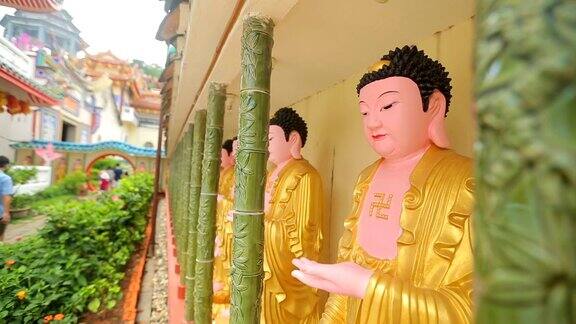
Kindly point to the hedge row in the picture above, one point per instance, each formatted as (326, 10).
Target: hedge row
(77, 261)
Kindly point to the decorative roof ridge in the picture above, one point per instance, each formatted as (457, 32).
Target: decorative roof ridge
(99, 55)
(83, 147)
(56, 94)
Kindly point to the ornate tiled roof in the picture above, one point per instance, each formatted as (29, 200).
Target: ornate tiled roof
(108, 57)
(53, 94)
(101, 146)
(37, 5)
(107, 63)
(148, 100)
(169, 26)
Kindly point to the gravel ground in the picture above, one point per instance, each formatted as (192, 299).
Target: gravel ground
(160, 294)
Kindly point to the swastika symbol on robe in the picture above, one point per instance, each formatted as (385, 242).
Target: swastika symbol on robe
(380, 203)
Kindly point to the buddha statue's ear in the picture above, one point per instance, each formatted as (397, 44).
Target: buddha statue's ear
(436, 129)
(295, 141)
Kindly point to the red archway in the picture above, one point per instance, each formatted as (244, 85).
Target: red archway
(99, 157)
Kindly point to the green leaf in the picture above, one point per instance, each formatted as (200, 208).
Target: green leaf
(94, 305)
(111, 304)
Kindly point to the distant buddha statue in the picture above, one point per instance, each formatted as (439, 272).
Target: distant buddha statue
(224, 234)
(60, 170)
(406, 252)
(293, 219)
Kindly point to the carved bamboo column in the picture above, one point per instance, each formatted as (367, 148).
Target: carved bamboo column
(208, 199)
(171, 183)
(177, 194)
(173, 178)
(247, 255)
(525, 220)
(193, 203)
(181, 172)
(186, 179)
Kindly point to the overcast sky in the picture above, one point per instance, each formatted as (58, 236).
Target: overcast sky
(126, 27)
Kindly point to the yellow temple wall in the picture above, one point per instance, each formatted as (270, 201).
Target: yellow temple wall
(336, 146)
(138, 136)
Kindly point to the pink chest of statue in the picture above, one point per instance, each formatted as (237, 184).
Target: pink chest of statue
(379, 223)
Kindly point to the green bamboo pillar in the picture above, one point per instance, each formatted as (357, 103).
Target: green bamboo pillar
(171, 182)
(247, 256)
(186, 176)
(178, 202)
(175, 192)
(208, 199)
(193, 203)
(173, 163)
(525, 220)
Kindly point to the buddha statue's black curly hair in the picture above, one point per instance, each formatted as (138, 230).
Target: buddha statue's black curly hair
(414, 64)
(227, 145)
(289, 120)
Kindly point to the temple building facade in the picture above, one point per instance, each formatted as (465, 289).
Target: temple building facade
(85, 100)
(20, 94)
(135, 102)
(53, 30)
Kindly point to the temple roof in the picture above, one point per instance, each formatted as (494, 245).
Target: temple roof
(107, 57)
(35, 92)
(168, 73)
(169, 26)
(109, 64)
(36, 5)
(148, 100)
(101, 146)
(59, 21)
(170, 5)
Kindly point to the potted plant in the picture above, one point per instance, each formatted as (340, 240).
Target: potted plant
(20, 206)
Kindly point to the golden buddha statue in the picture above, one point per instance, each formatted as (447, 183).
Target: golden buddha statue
(293, 223)
(406, 252)
(224, 234)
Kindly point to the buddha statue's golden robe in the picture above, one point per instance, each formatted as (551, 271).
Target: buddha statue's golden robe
(224, 235)
(430, 281)
(293, 229)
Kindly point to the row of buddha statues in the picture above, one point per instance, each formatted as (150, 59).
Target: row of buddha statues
(405, 255)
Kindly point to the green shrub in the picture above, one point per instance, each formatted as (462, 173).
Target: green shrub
(71, 184)
(77, 261)
(22, 176)
(22, 201)
(105, 164)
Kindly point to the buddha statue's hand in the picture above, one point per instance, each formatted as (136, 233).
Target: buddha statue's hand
(217, 246)
(346, 278)
(220, 197)
(225, 312)
(230, 216)
(217, 286)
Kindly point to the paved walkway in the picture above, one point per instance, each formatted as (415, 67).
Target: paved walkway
(146, 293)
(15, 232)
(152, 302)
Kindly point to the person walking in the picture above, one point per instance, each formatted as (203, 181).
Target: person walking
(118, 172)
(6, 192)
(104, 180)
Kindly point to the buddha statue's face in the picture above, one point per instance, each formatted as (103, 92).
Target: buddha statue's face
(394, 122)
(278, 146)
